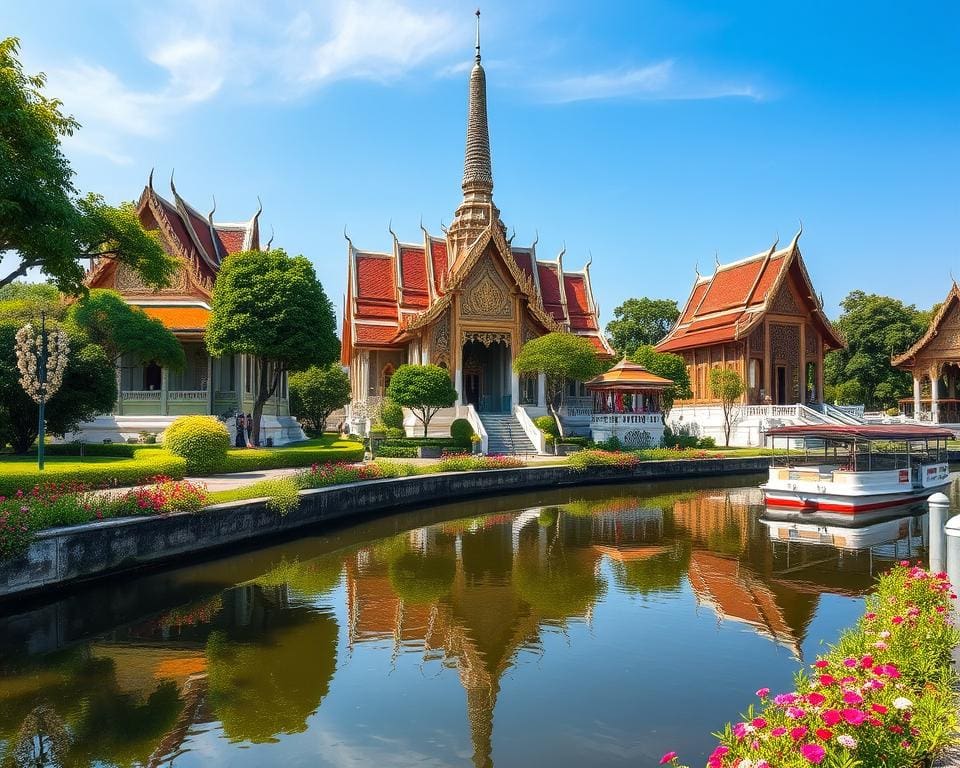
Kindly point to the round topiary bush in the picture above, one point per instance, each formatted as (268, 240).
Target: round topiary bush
(461, 431)
(396, 433)
(201, 440)
(391, 414)
(547, 425)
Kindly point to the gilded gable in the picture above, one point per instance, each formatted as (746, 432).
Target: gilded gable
(485, 293)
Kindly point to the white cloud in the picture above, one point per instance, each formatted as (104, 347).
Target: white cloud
(249, 50)
(660, 81)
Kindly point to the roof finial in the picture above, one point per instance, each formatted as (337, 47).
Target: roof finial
(589, 260)
(390, 230)
(536, 239)
(346, 236)
(212, 210)
(150, 180)
(478, 36)
(270, 241)
(716, 257)
(173, 187)
(696, 269)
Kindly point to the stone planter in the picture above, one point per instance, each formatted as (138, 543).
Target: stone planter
(563, 449)
(429, 451)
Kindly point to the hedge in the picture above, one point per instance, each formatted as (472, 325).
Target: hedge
(249, 459)
(393, 451)
(146, 464)
(118, 450)
(416, 442)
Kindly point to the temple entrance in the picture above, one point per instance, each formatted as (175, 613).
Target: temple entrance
(781, 393)
(487, 376)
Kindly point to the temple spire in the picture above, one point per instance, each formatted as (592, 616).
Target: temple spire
(477, 167)
(476, 211)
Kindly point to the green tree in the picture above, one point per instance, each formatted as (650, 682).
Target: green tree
(89, 388)
(22, 303)
(638, 322)
(317, 392)
(121, 329)
(727, 386)
(424, 389)
(271, 306)
(875, 328)
(670, 366)
(44, 223)
(559, 356)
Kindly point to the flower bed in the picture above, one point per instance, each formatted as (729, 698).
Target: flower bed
(52, 504)
(600, 458)
(882, 696)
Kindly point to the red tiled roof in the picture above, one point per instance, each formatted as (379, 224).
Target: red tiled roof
(201, 228)
(180, 318)
(524, 260)
(378, 308)
(413, 269)
(598, 344)
(375, 278)
(438, 255)
(375, 334)
(716, 311)
(581, 318)
(231, 239)
(550, 291)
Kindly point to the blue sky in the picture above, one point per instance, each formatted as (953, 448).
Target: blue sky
(654, 135)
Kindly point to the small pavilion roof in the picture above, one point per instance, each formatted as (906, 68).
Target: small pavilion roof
(626, 374)
(907, 359)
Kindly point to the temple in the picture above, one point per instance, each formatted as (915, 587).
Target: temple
(466, 300)
(150, 396)
(934, 364)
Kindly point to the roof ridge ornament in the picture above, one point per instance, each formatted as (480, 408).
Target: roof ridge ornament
(212, 210)
(477, 58)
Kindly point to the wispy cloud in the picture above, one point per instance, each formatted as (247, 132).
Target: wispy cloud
(663, 80)
(250, 50)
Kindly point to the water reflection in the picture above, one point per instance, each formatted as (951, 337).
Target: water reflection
(255, 655)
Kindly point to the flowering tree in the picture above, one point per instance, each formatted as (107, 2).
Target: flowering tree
(42, 361)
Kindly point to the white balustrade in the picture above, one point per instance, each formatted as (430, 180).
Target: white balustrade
(624, 419)
(187, 394)
(141, 394)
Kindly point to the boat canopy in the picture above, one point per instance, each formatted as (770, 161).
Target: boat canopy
(851, 433)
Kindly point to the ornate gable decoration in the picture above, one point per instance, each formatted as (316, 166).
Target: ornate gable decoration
(485, 294)
(784, 302)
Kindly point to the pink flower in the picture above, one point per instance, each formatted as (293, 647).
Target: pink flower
(853, 716)
(782, 699)
(831, 716)
(852, 697)
(813, 753)
(778, 731)
(821, 664)
(815, 699)
(849, 662)
(758, 722)
(798, 733)
(668, 758)
(763, 693)
(827, 680)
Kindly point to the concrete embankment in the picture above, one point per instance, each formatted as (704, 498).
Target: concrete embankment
(62, 556)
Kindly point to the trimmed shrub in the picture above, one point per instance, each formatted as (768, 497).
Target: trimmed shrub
(583, 442)
(396, 451)
(707, 443)
(460, 432)
(146, 464)
(396, 433)
(602, 458)
(249, 459)
(283, 494)
(391, 414)
(416, 442)
(202, 440)
(547, 425)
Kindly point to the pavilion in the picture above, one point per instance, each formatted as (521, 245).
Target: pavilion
(627, 405)
(934, 363)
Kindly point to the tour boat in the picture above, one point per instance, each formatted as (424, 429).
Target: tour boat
(845, 537)
(855, 469)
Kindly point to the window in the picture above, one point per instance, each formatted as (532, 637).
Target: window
(385, 378)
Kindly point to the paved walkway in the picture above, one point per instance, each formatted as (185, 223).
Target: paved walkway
(229, 482)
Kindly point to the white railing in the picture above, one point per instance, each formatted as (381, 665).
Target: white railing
(623, 419)
(224, 395)
(536, 437)
(141, 394)
(469, 413)
(191, 395)
(857, 411)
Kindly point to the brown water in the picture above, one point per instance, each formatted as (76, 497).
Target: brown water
(595, 626)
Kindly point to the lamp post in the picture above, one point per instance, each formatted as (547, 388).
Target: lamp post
(41, 361)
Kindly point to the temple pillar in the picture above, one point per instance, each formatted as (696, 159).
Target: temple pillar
(767, 374)
(541, 390)
(514, 389)
(820, 395)
(916, 396)
(364, 374)
(209, 383)
(164, 379)
(934, 396)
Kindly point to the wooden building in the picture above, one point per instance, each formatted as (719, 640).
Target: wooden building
(761, 317)
(934, 363)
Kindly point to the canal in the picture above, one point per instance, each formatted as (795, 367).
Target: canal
(596, 626)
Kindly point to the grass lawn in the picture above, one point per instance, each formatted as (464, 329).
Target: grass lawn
(21, 473)
(319, 450)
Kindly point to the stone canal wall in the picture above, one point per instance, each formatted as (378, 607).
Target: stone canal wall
(64, 555)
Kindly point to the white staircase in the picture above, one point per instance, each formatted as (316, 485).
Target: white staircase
(505, 435)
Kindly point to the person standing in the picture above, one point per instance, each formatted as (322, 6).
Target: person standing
(249, 424)
(240, 440)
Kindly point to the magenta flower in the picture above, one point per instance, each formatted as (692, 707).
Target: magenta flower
(853, 716)
(813, 753)
(668, 758)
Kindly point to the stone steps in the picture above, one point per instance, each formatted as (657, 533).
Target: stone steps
(505, 435)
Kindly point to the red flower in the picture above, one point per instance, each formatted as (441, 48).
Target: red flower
(668, 758)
